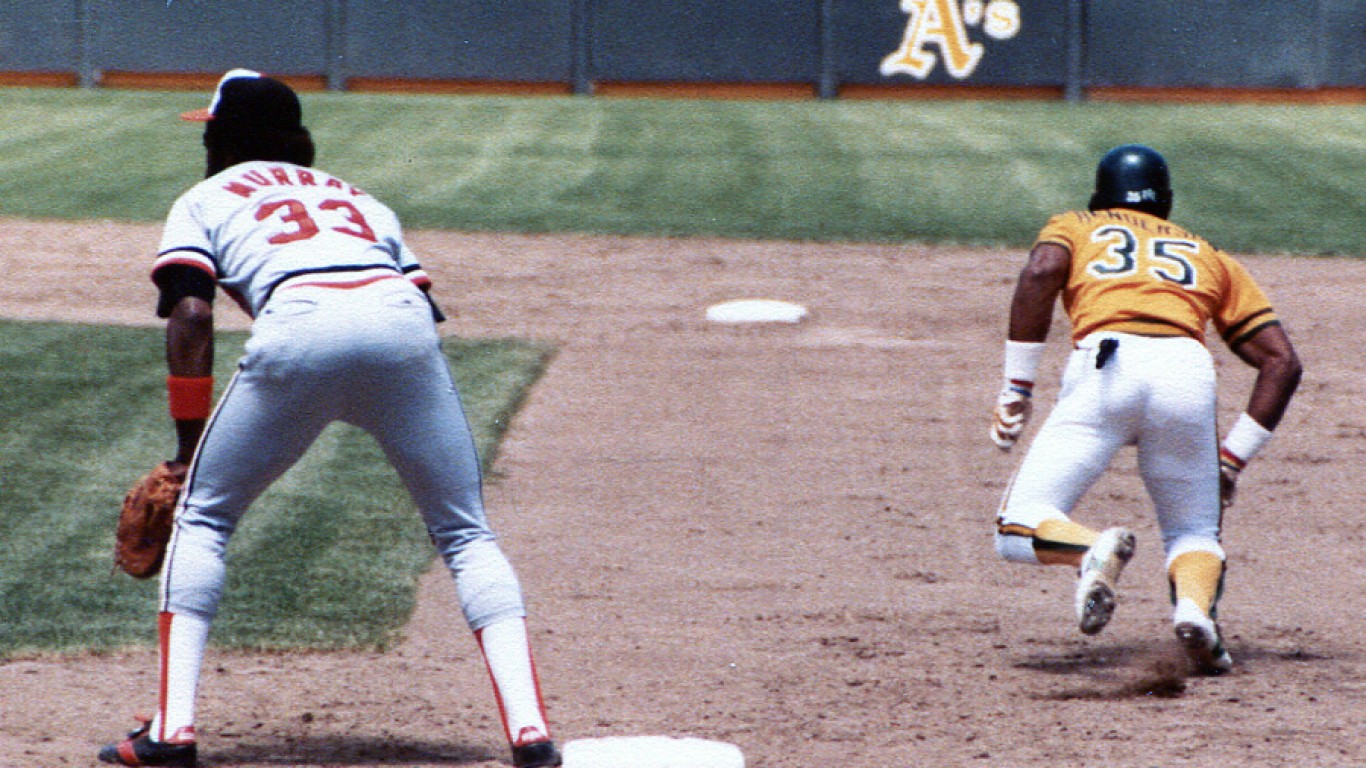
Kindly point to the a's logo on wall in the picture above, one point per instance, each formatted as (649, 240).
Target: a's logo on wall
(943, 25)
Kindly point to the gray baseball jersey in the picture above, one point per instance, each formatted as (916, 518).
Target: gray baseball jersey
(257, 225)
(343, 331)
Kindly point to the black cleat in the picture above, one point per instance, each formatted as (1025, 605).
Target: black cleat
(536, 754)
(139, 749)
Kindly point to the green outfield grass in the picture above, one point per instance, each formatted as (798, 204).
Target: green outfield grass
(1252, 178)
(329, 558)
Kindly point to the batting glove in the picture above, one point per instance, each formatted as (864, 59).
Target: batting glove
(1013, 406)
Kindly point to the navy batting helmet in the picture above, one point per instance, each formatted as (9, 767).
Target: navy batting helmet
(253, 117)
(248, 99)
(1133, 176)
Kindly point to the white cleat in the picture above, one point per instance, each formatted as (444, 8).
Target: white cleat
(1199, 636)
(1099, 573)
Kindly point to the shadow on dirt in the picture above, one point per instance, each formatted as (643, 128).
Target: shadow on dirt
(1114, 673)
(342, 751)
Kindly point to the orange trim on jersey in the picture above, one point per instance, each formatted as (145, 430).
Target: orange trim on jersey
(186, 262)
(344, 285)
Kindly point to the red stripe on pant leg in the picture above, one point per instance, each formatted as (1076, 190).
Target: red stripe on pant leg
(164, 649)
(536, 683)
(497, 694)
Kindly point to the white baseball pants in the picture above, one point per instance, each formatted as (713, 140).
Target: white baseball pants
(1155, 393)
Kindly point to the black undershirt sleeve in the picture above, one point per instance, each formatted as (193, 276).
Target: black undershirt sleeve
(177, 281)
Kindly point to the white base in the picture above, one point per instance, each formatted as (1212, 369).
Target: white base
(651, 752)
(756, 311)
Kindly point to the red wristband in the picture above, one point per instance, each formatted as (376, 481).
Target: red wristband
(190, 397)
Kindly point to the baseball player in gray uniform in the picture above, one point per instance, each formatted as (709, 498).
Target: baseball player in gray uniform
(343, 330)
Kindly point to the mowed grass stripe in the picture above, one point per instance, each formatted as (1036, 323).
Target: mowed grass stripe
(77, 414)
(1254, 178)
(328, 558)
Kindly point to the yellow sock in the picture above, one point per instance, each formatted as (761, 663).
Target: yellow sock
(1062, 542)
(1196, 576)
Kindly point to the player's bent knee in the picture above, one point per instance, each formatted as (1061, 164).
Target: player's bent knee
(1015, 527)
(1187, 544)
(1016, 549)
(1029, 516)
(486, 584)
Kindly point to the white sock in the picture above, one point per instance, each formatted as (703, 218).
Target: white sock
(183, 639)
(507, 652)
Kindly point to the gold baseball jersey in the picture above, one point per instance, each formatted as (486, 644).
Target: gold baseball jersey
(1136, 273)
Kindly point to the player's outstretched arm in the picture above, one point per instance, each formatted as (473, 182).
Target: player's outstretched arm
(189, 361)
(1031, 314)
(1036, 291)
(1278, 376)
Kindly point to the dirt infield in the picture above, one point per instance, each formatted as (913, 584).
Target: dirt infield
(780, 537)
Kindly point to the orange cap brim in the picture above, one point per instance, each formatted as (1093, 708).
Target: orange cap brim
(201, 115)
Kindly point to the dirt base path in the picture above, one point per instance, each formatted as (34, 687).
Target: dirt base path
(780, 537)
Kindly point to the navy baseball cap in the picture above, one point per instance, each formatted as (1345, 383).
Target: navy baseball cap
(244, 96)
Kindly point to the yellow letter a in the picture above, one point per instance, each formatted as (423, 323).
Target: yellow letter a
(937, 22)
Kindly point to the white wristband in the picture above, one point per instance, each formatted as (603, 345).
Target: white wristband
(1022, 360)
(1246, 438)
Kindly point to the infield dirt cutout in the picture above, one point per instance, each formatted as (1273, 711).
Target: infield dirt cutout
(780, 536)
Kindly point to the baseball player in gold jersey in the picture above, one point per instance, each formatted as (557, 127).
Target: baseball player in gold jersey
(1139, 292)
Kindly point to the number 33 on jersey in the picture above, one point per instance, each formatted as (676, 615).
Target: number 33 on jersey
(1136, 273)
(314, 223)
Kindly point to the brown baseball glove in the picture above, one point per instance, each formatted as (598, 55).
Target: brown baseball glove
(145, 522)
